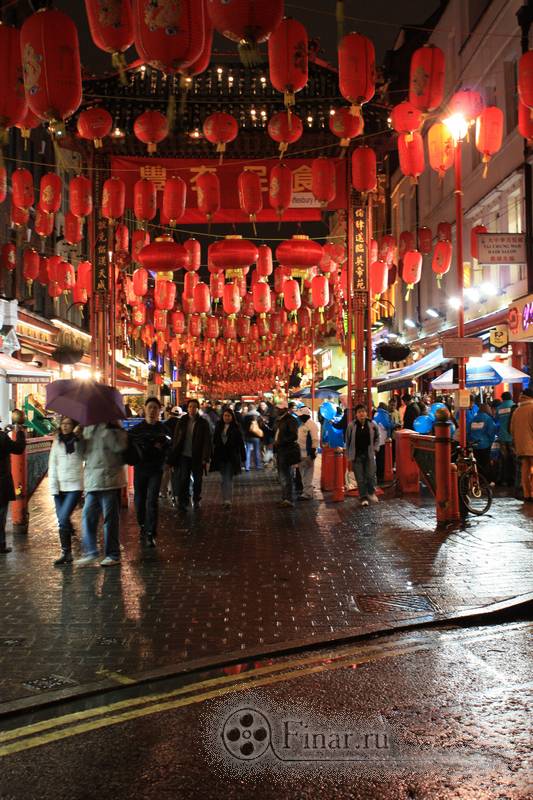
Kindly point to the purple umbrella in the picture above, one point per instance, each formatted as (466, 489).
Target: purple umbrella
(87, 402)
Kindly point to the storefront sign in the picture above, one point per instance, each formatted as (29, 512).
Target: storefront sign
(360, 271)
(521, 320)
(462, 347)
(304, 206)
(501, 248)
(499, 339)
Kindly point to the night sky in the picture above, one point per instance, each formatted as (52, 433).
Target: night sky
(381, 25)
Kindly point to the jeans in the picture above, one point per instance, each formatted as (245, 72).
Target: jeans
(285, 479)
(365, 476)
(307, 470)
(3, 519)
(146, 487)
(226, 473)
(108, 503)
(185, 468)
(65, 503)
(255, 446)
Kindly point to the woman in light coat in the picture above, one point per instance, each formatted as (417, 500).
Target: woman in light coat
(65, 480)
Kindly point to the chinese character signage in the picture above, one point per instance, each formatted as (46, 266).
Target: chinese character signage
(501, 248)
(304, 205)
(101, 267)
(360, 280)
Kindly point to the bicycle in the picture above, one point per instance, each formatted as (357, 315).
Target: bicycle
(474, 489)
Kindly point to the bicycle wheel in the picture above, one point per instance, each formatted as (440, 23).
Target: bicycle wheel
(475, 493)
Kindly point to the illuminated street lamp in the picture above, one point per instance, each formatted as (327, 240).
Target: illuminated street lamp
(458, 127)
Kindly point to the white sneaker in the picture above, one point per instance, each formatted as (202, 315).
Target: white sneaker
(110, 562)
(364, 502)
(373, 498)
(84, 561)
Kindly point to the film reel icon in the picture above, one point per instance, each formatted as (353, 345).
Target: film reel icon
(246, 734)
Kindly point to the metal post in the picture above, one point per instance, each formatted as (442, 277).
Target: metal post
(312, 374)
(368, 360)
(460, 277)
(350, 298)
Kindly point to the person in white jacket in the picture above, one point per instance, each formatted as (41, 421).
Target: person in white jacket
(308, 440)
(65, 481)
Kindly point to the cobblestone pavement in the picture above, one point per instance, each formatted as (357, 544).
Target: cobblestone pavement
(226, 585)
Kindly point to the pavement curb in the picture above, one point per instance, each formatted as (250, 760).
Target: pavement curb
(33, 704)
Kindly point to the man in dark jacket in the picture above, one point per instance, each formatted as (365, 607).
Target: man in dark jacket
(190, 454)
(7, 489)
(153, 439)
(287, 453)
(412, 411)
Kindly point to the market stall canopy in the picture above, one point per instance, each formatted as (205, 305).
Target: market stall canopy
(481, 373)
(15, 371)
(403, 378)
(332, 382)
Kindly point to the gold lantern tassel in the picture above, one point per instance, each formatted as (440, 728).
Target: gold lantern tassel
(118, 61)
(409, 289)
(249, 53)
(185, 85)
(486, 159)
(439, 281)
(282, 149)
(252, 220)
(221, 147)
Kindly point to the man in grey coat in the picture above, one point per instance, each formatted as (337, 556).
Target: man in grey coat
(362, 443)
(104, 478)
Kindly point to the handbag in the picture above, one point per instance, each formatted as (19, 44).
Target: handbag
(255, 430)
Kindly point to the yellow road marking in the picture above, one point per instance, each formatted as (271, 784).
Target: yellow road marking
(116, 676)
(248, 681)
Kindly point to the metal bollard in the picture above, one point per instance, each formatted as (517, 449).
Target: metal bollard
(388, 472)
(19, 507)
(339, 470)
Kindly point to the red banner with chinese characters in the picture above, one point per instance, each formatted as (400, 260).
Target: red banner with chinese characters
(304, 206)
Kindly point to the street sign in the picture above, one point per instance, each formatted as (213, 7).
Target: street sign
(501, 248)
(462, 347)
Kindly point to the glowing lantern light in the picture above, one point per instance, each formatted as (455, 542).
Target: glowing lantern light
(357, 70)
(22, 188)
(95, 124)
(288, 59)
(468, 103)
(250, 195)
(144, 200)
(442, 259)
(474, 244)
(247, 22)
(160, 319)
(174, 199)
(50, 193)
(387, 249)
(345, 125)
(216, 285)
(79, 296)
(280, 188)
(411, 155)
(80, 196)
(151, 128)
(51, 64)
(220, 128)
(113, 199)
(285, 129)
(243, 327)
(426, 78)
(139, 315)
(411, 270)
(425, 240)
(364, 170)
(13, 105)
(67, 276)
(3, 183)
(323, 180)
(525, 79)
(489, 133)
(169, 36)
(208, 194)
(440, 148)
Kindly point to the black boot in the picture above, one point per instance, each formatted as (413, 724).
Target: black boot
(65, 537)
(64, 558)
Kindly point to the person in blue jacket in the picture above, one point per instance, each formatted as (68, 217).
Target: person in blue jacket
(507, 459)
(481, 432)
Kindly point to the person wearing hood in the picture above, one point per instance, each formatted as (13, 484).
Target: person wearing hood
(481, 432)
(65, 482)
(253, 434)
(522, 433)
(308, 441)
(383, 420)
(504, 411)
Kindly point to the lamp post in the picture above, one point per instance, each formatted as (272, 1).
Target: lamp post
(458, 128)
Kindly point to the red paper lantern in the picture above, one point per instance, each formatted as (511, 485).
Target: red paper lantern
(216, 285)
(243, 327)
(489, 133)
(280, 188)
(9, 256)
(320, 292)
(411, 270)
(357, 69)
(261, 298)
(44, 223)
(468, 103)
(288, 59)
(442, 259)
(202, 62)
(231, 301)
(138, 315)
(406, 242)
(426, 78)
(406, 118)
(525, 121)
(177, 322)
(525, 79)
(440, 148)
(139, 239)
(387, 250)
(27, 124)
(85, 276)
(80, 196)
(169, 35)
(208, 194)
(425, 240)
(212, 330)
(54, 290)
(122, 239)
(51, 64)
(364, 169)
(144, 200)
(79, 295)
(164, 295)
(291, 295)
(379, 278)
(264, 261)
(174, 199)
(285, 129)
(151, 128)
(194, 251)
(43, 271)
(111, 26)
(113, 199)
(263, 327)
(22, 187)
(3, 183)
(229, 328)
(13, 104)
(477, 229)
(163, 255)
(444, 232)
(345, 125)
(190, 282)
(195, 326)
(73, 228)
(140, 282)
(373, 251)
(248, 22)
(250, 194)
(50, 193)
(160, 319)
(323, 180)
(299, 254)
(220, 128)
(202, 298)
(30, 265)
(411, 155)
(67, 276)
(95, 124)
(233, 254)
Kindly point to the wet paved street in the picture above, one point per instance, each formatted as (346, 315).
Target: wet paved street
(257, 579)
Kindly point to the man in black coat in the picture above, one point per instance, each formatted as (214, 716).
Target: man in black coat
(190, 454)
(287, 453)
(412, 411)
(7, 489)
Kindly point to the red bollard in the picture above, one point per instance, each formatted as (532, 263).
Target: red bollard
(443, 474)
(388, 473)
(327, 472)
(19, 507)
(456, 510)
(407, 472)
(338, 475)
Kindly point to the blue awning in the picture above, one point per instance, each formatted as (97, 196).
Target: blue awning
(403, 378)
